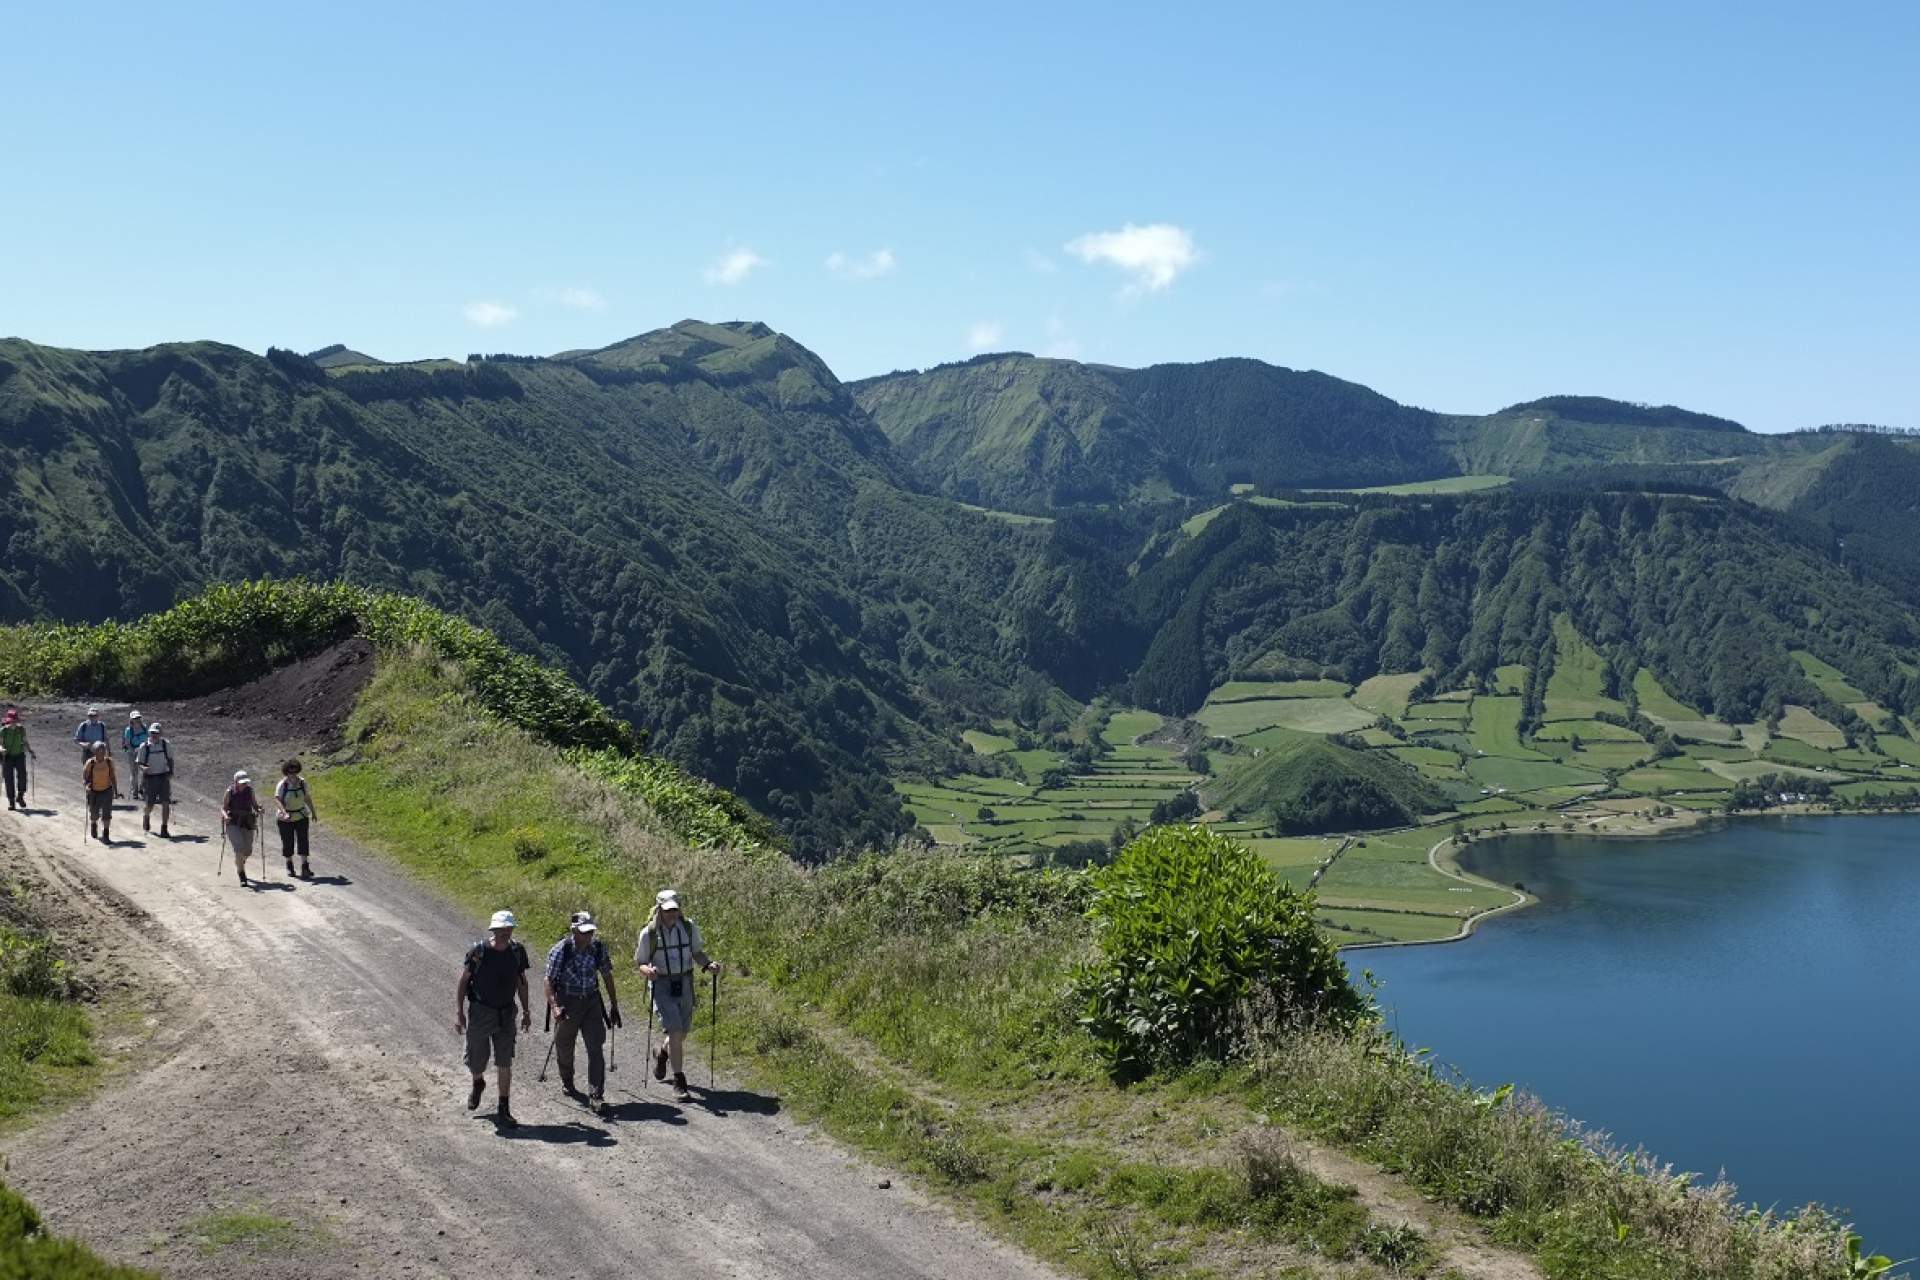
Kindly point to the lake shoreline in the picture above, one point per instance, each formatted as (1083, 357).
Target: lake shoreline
(1444, 858)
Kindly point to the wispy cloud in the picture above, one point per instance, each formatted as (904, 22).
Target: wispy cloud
(880, 262)
(984, 334)
(581, 299)
(734, 267)
(490, 315)
(1154, 255)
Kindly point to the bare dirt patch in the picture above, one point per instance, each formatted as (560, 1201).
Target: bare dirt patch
(306, 701)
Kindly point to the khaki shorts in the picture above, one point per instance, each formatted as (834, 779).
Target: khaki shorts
(492, 1029)
(676, 1012)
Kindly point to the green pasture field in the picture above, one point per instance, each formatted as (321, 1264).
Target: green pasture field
(1878, 718)
(1417, 756)
(1387, 926)
(1378, 738)
(1754, 737)
(1511, 678)
(1600, 755)
(1250, 690)
(1828, 679)
(1492, 804)
(1496, 729)
(1124, 726)
(1527, 775)
(1658, 704)
(1574, 691)
(1800, 722)
(1653, 780)
(1194, 524)
(1009, 517)
(1309, 715)
(1745, 770)
(1445, 484)
(1863, 790)
(986, 744)
(1710, 731)
(1452, 711)
(1587, 730)
(1905, 750)
(1714, 751)
(1387, 695)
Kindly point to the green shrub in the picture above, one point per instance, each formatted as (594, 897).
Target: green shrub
(32, 969)
(703, 815)
(1190, 926)
(28, 1253)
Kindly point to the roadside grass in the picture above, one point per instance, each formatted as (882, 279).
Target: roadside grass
(251, 1228)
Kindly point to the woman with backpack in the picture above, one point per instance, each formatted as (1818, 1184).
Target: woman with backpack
(239, 818)
(294, 811)
(98, 777)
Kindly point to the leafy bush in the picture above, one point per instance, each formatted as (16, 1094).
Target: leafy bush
(1190, 925)
(240, 631)
(32, 968)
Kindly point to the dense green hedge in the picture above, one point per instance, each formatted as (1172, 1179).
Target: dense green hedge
(238, 632)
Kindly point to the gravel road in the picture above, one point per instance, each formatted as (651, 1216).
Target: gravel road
(299, 1061)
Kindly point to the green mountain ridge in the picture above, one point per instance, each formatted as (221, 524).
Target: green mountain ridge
(773, 572)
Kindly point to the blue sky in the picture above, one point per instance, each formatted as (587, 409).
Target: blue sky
(1462, 206)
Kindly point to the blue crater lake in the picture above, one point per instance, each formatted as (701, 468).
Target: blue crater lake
(1743, 999)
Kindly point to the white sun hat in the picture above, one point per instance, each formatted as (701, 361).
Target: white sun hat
(502, 920)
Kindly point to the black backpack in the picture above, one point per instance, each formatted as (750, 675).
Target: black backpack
(478, 954)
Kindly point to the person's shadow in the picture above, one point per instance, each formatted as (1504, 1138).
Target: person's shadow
(640, 1109)
(574, 1133)
(334, 879)
(726, 1101)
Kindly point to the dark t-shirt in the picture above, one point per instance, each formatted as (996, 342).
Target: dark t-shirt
(495, 975)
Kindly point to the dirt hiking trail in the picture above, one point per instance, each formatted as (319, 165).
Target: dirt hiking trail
(301, 1064)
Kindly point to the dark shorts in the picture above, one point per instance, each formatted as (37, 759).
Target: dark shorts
(100, 804)
(158, 788)
(489, 1029)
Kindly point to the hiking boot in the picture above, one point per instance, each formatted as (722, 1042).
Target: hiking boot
(164, 833)
(93, 831)
(306, 871)
(243, 877)
(566, 1085)
(473, 1095)
(660, 1065)
(146, 822)
(289, 867)
(680, 1089)
(504, 1118)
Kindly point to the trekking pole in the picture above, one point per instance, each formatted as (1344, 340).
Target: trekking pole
(646, 1067)
(220, 859)
(546, 1025)
(713, 1025)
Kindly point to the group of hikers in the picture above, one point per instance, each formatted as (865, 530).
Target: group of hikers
(150, 768)
(669, 954)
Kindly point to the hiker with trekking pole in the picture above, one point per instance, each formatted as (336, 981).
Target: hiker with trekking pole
(91, 733)
(576, 966)
(154, 761)
(240, 812)
(132, 738)
(493, 974)
(668, 953)
(14, 750)
(102, 786)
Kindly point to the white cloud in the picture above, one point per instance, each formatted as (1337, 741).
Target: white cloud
(1154, 255)
(880, 262)
(736, 266)
(581, 299)
(984, 334)
(490, 315)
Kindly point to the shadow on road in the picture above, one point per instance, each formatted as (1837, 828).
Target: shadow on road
(329, 880)
(639, 1110)
(575, 1133)
(725, 1101)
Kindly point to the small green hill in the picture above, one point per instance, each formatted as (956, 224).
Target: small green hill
(1309, 784)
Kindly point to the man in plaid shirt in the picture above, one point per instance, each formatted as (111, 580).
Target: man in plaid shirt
(576, 967)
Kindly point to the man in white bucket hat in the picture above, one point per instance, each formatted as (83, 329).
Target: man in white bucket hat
(493, 976)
